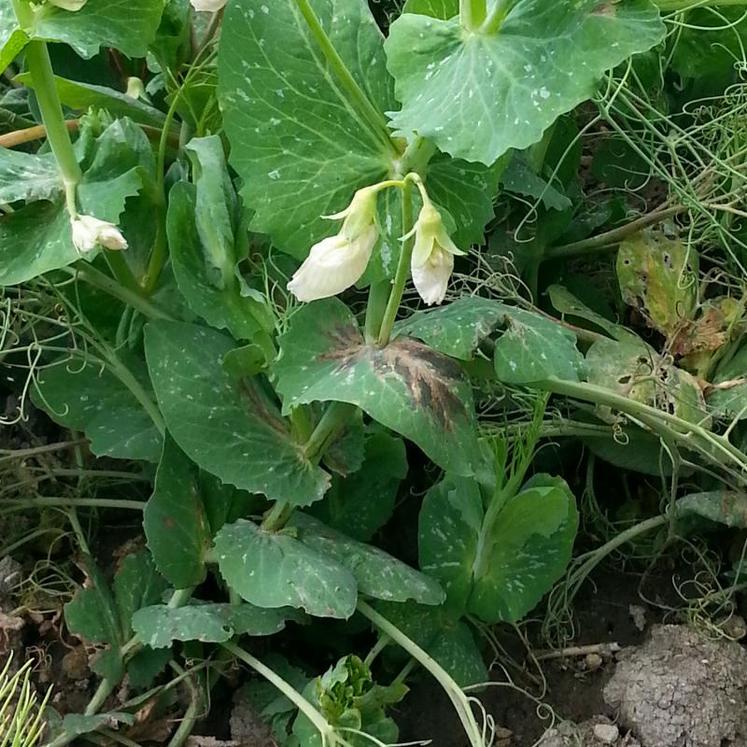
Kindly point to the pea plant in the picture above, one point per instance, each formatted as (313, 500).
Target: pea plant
(244, 252)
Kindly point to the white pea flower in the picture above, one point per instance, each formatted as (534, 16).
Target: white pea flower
(135, 88)
(208, 5)
(337, 262)
(432, 256)
(89, 231)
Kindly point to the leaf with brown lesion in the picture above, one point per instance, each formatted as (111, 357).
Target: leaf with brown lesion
(428, 376)
(406, 385)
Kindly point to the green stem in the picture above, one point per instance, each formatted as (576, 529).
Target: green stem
(495, 20)
(138, 390)
(103, 282)
(598, 555)
(378, 295)
(277, 517)
(717, 448)
(604, 241)
(42, 77)
(372, 116)
(334, 418)
(678, 5)
(320, 723)
(121, 270)
(416, 158)
(191, 715)
(455, 693)
(403, 268)
(53, 502)
(159, 254)
(379, 646)
(472, 13)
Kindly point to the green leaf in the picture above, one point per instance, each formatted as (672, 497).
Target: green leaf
(567, 304)
(349, 699)
(26, 176)
(529, 550)
(92, 615)
(363, 502)
(12, 39)
(299, 146)
(730, 401)
(377, 573)
(405, 386)
(448, 640)
(633, 449)
(229, 429)
(76, 724)
(126, 25)
(478, 94)
(90, 397)
(83, 96)
(500, 571)
(137, 584)
(214, 208)
(37, 238)
(519, 178)
(534, 348)
(222, 307)
(160, 625)
(726, 507)
(436, 8)
(275, 570)
(457, 329)
(146, 665)
(98, 614)
(466, 191)
(174, 520)
(449, 525)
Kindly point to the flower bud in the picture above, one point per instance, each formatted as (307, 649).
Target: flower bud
(88, 232)
(432, 256)
(135, 88)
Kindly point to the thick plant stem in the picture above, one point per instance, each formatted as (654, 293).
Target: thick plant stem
(494, 21)
(373, 117)
(378, 295)
(42, 76)
(691, 435)
(403, 268)
(455, 693)
(330, 424)
(325, 730)
(472, 13)
(677, 5)
(277, 517)
(103, 282)
(605, 241)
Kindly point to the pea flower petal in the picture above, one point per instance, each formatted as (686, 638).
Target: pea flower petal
(88, 232)
(431, 279)
(432, 256)
(333, 265)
